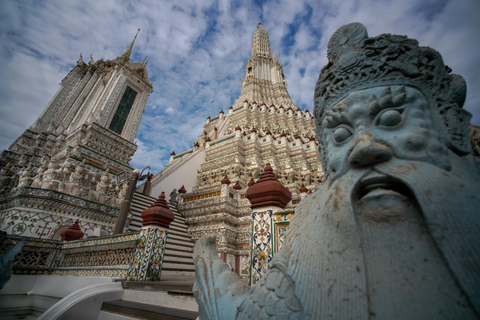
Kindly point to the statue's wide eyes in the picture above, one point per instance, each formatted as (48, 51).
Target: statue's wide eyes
(389, 118)
(341, 134)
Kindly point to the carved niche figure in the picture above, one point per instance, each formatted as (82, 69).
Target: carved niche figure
(76, 180)
(393, 232)
(25, 178)
(101, 190)
(122, 191)
(63, 175)
(49, 177)
(37, 180)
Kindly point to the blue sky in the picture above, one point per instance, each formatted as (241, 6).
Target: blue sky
(197, 52)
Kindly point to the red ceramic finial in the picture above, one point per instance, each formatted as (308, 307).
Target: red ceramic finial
(225, 180)
(159, 214)
(72, 233)
(182, 189)
(237, 128)
(310, 191)
(237, 186)
(253, 130)
(251, 182)
(173, 153)
(268, 191)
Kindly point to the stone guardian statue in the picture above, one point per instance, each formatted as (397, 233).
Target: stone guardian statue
(393, 232)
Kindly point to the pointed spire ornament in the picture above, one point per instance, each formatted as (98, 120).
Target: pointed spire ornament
(225, 180)
(237, 186)
(127, 54)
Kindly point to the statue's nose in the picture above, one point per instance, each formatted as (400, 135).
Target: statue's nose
(367, 151)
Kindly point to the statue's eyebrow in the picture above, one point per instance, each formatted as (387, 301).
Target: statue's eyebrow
(387, 100)
(336, 116)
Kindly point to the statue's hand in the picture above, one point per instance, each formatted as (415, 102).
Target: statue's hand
(218, 290)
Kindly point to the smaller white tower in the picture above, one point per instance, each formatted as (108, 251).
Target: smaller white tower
(94, 115)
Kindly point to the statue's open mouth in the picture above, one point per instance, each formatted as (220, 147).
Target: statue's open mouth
(380, 198)
(376, 185)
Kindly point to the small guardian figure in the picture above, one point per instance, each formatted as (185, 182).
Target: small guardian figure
(173, 197)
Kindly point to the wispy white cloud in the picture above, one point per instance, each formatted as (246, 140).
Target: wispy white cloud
(198, 50)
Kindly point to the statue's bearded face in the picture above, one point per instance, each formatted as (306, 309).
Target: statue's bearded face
(373, 126)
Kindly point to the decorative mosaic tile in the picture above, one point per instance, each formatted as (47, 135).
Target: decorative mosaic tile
(148, 257)
(261, 247)
(116, 273)
(118, 238)
(281, 222)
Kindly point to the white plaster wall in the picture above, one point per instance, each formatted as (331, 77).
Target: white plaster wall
(185, 175)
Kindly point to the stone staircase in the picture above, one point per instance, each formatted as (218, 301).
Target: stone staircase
(172, 300)
(178, 259)
(171, 297)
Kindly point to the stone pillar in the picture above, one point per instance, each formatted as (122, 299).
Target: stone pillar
(225, 188)
(150, 249)
(127, 201)
(266, 196)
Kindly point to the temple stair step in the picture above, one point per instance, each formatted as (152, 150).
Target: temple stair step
(171, 299)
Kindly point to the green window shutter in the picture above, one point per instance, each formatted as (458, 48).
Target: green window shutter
(124, 107)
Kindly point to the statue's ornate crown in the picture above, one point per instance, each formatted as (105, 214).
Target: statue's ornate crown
(358, 62)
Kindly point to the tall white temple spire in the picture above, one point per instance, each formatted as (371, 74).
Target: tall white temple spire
(261, 42)
(264, 81)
